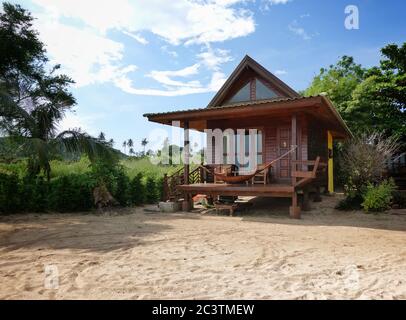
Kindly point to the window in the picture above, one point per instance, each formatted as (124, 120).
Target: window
(245, 165)
(242, 95)
(262, 91)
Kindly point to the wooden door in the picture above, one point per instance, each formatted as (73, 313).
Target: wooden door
(284, 145)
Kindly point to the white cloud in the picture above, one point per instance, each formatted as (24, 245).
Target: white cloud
(86, 56)
(86, 123)
(165, 77)
(213, 58)
(172, 53)
(298, 30)
(172, 87)
(136, 37)
(266, 4)
(177, 22)
(76, 34)
(280, 72)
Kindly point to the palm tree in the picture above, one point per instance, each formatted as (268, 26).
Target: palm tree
(132, 151)
(130, 143)
(102, 136)
(34, 130)
(125, 147)
(111, 143)
(144, 143)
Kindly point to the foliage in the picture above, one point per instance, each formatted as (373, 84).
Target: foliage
(10, 200)
(122, 194)
(351, 202)
(338, 82)
(363, 160)
(368, 99)
(133, 166)
(63, 168)
(151, 194)
(137, 190)
(379, 197)
(34, 100)
(70, 193)
(399, 199)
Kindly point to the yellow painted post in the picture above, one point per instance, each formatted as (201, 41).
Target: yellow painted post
(330, 162)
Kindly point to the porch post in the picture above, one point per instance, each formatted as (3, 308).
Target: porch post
(294, 210)
(186, 205)
(330, 162)
(186, 152)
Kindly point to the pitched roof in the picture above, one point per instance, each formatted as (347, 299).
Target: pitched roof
(266, 106)
(246, 63)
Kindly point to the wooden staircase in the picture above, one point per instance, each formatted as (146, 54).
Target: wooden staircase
(301, 178)
(170, 183)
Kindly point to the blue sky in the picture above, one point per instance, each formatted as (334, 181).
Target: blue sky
(132, 57)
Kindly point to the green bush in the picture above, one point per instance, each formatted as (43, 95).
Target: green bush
(151, 190)
(10, 193)
(379, 197)
(399, 198)
(122, 194)
(71, 193)
(137, 190)
(350, 203)
(72, 190)
(160, 188)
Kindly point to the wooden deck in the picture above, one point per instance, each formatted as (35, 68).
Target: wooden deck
(215, 189)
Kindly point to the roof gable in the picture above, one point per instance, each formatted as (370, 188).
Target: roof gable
(261, 82)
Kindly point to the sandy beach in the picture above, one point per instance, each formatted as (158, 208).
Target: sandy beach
(258, 254)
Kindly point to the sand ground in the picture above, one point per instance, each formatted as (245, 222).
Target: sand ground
(259, 254)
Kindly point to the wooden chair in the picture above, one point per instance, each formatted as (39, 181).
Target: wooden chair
(261, 177)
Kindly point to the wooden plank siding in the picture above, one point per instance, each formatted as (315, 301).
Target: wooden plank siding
(271, 128)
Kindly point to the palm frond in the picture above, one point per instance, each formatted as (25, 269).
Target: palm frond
(13, 115)
(74, 141)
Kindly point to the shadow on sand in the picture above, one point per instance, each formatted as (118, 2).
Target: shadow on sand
(123, 229)
(113, 230)
(276, 210)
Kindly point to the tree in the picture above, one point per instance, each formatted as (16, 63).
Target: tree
(102, 136)
(381, 98)
(131, 151)
(368, 99)
(144, 143)
(130, 143)
(338, 82)
(34, 100)
(125, 146)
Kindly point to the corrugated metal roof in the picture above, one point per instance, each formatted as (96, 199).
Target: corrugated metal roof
(234, 105)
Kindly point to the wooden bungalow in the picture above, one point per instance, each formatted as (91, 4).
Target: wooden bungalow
(252, 97)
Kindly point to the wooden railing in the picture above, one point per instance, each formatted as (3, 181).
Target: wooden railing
(170, 183)
(306, 175)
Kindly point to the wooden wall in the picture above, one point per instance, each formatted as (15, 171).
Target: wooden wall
(270, 128)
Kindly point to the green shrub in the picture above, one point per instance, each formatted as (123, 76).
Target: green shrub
(379, 197)
(10, 193)
(160, 188)
(399, 198)
(350, 203)
(137, 190)
(33, 194)
(71, 193)
(122, 194)
(151, 190)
